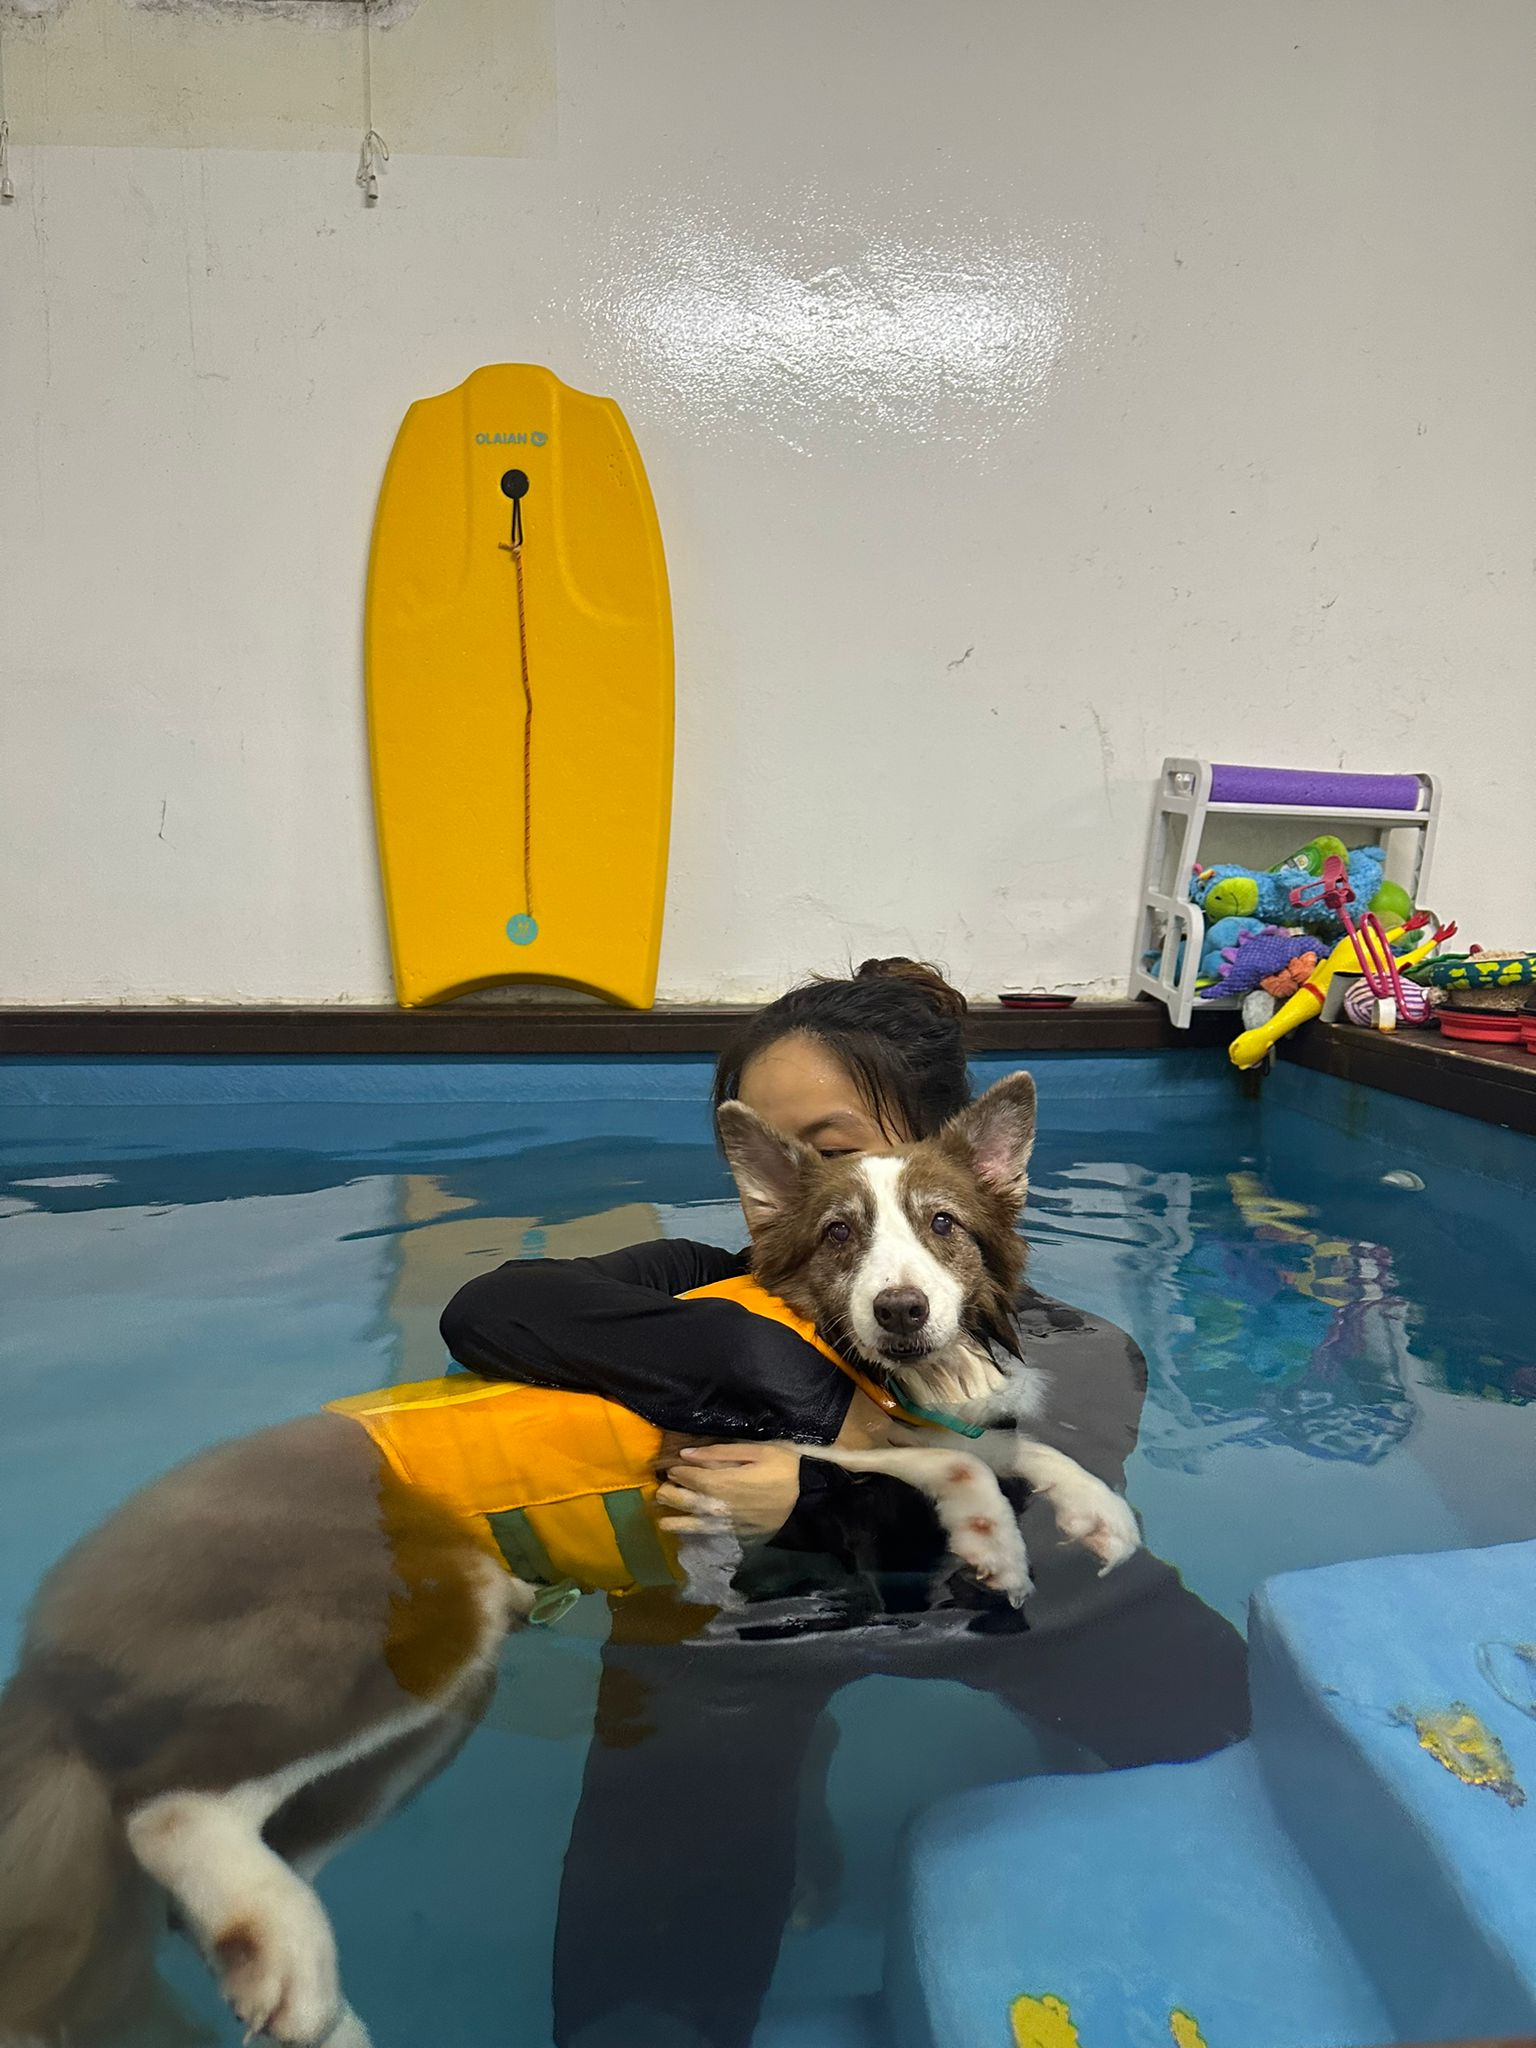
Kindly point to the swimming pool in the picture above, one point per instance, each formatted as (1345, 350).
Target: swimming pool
(1327, 1285)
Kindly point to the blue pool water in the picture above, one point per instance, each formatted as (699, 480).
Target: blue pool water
(1342, 1365)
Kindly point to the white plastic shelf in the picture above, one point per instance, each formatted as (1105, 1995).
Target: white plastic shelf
(1172, 927)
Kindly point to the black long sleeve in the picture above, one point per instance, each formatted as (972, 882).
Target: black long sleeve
(867, 1520)
(612, 1326)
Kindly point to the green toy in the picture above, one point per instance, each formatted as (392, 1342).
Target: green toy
(1477, 970)
(1391, 903)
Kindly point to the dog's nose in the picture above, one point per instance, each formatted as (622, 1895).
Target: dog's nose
(901, 1308)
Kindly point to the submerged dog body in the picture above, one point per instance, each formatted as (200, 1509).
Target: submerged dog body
(276, 1644)
(250, 1661)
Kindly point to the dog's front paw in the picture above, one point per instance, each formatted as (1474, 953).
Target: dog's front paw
(1093, 1514)
(990, 1544)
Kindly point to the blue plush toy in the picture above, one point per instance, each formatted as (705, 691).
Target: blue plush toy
(1226, 931)
(1265, 894)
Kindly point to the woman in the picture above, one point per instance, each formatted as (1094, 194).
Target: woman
(681, 1867)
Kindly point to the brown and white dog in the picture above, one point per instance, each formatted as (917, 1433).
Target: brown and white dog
(271, 1647)
(910, 1262)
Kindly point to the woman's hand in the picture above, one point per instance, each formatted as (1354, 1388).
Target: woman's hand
(749, 1488)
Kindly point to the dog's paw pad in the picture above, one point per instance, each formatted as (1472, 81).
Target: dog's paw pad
(1103, 1523)
(995, 1553)
(277, 1971)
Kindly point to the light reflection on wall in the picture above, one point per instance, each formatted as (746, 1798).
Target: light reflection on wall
(888, 319)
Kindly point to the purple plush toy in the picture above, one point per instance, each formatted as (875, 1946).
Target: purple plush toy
(1256, 959)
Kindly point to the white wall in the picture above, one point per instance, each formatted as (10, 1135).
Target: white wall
(1029, 388)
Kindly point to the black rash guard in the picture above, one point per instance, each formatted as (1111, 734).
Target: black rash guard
(612, 1326)
(728, 1721)
(859, 1547)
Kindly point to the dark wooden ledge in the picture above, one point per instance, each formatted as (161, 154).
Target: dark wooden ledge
(481, 1030)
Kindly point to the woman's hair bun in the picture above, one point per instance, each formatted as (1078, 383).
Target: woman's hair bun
(918, 975)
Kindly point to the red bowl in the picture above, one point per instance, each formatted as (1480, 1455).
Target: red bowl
(1016, 999)
(1481, 1027)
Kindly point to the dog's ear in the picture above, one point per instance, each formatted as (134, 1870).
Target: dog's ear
(765, 1165)
(996, 1135)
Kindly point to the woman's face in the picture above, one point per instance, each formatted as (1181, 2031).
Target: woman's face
(800, 1088)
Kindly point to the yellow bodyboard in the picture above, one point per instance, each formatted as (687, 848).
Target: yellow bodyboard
(518, 648)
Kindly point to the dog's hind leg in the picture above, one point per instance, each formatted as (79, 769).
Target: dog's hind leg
(976, 1517)
(263, 1929)
(329, 1813)
(260, 1925)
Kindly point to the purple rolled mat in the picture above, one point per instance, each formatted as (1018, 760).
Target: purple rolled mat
(1315, 787)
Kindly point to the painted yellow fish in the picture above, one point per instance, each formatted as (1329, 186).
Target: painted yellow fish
(1465, 1746)
(1042, 2023)
(1047, 2023)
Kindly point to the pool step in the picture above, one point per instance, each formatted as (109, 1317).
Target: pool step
(850, 2023)
(1328, 1881)
(1364, 1676)
(1128, 1898)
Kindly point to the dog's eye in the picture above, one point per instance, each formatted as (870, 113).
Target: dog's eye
(942, 1224)
(838, 1232)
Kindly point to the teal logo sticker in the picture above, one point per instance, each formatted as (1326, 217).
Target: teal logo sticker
(534, 440)
(522, 930)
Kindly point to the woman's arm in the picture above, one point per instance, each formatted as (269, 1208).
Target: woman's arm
(612, 1326)
(1096, 1382)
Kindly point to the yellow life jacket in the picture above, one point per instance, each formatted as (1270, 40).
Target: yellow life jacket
(563, 1485)
(746, 1293)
